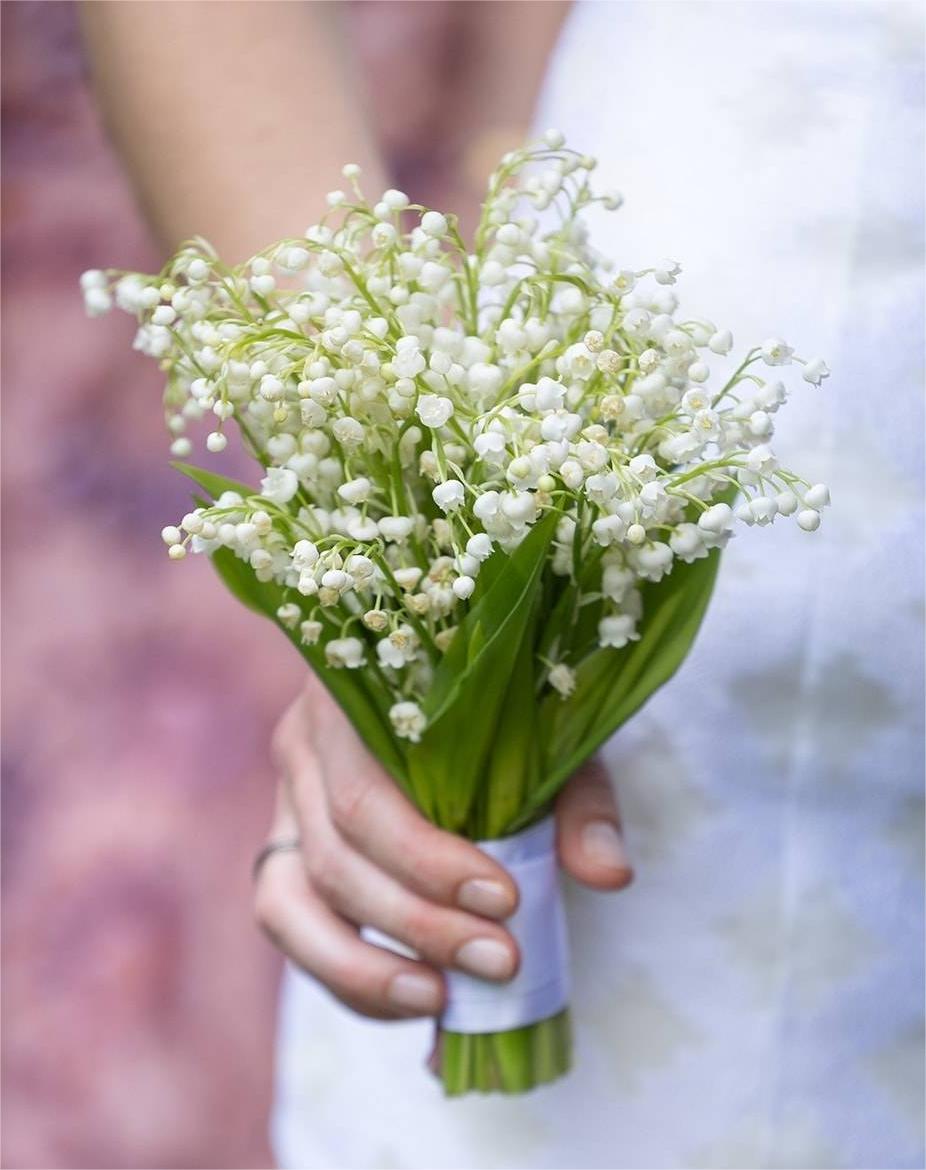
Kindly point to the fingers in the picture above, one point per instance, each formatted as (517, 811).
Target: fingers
(362, 799)
(426, 888)
(359, 891)
(366, 978)
(588, 830)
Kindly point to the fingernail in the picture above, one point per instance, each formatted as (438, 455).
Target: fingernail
(486, 958)
(485, 897)
(602, 844)
(415, 993)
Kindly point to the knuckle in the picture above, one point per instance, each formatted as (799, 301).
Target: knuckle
(351, 982)
(417, 858)
(265, 908)
(281, 740)
(433, 934)
(423, 862)
(346, 801)
(324, 869)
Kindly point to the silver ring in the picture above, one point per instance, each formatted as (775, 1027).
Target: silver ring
(282, 845)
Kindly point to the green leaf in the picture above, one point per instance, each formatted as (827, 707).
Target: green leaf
(611, 685)
(496, 616)
(212, 483)
(471, 684)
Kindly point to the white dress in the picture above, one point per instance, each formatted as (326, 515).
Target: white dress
(755, 998)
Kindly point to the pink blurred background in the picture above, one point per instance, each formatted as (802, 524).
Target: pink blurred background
(138, 996)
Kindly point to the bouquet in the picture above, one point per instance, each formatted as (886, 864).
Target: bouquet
(494, 485)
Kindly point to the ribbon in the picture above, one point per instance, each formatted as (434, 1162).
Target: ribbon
(541, 987)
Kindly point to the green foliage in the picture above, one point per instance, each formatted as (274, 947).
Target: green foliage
(495, 752)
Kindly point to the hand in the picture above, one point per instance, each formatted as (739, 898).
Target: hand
(368, 857)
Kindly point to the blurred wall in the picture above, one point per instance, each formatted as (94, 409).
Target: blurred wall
(138, 997)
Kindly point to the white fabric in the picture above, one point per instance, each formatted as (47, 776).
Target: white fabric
(541, 987)
(755, 998)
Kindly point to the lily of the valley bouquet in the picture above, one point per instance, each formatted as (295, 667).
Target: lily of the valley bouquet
(494, 483)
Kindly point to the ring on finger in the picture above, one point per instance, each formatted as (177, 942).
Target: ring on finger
(280, 845)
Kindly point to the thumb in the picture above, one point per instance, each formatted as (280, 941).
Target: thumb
(588, 830)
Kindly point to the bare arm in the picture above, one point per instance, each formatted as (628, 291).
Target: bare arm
(233, 119)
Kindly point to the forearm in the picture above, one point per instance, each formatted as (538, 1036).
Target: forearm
(233, 118)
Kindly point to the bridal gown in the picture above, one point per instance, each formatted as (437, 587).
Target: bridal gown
(755, 998)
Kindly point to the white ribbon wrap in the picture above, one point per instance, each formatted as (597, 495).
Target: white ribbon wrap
(541, 986)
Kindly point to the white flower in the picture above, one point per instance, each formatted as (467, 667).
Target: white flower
(762, 460)
(485, 380)
(97, 298)
(479, 546)
(467, 566)
(787, 503)
(337, 580)
(592, 456)
(305, 554)
(395, 200)
(348, 381)
(666, 271)
(643, 467)
(345, 652)
(608, 530)
(694, 401)
(307, 585)
(448, 495)
(687, 543)
(817, 496)
(815, 371)
(361, 569)
(776, 352)
(396, 528)
(519, 507)
(699, 372)
(390, 654)
(408, 720)
(463, 587)
(280, 484)
(92, 278)
(356, 491)
(572, 474)
(562, 679)
(289, 615)
(624, 281)
(652, 561)
(348, 432)
(549, 395)
(617, 630)
(743, 513)
(490, 447)
(764, 509)
(601, 488)
(616, 581)
(716, 519)
(409, 360)
(408, 578)
(809, 520)
(310, 632)
(434, 410)
(434, 224)
(760, 424)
